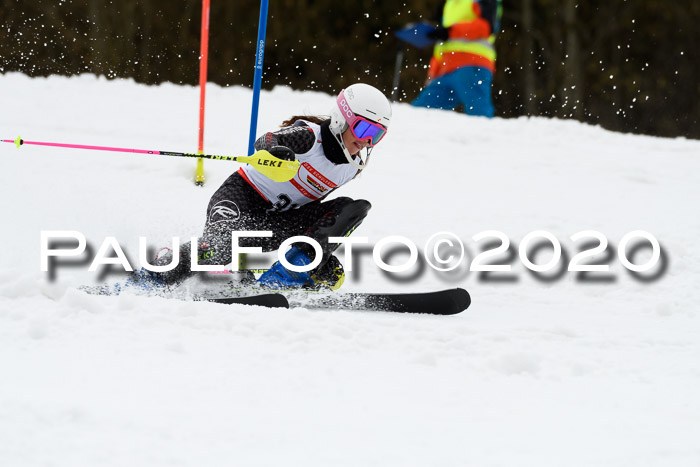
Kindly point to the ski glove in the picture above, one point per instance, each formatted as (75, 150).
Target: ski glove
(439, 34)
(282, 152)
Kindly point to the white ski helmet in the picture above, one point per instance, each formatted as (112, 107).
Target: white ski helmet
(354, 103)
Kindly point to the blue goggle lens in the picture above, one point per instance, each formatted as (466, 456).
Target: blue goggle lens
(364, 129)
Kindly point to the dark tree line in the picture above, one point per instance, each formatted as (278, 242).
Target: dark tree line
(628, 65)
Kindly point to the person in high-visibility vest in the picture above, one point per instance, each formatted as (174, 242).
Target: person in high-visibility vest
(461, 69)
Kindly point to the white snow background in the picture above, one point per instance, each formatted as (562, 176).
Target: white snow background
(535, 373)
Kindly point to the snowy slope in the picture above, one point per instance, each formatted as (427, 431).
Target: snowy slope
(548, 372)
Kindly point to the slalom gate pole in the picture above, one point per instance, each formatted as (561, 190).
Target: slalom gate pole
(203, 57)
(272, 167)
(257, 81)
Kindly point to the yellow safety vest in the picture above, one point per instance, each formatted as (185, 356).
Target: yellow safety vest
(460, 11)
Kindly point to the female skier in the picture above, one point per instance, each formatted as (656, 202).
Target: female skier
(329, 155)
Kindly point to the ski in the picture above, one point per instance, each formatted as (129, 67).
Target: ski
(442, 302)
(269, 300)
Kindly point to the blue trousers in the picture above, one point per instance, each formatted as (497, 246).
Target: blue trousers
(469, 85)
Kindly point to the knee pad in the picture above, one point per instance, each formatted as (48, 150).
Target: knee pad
(342, 218)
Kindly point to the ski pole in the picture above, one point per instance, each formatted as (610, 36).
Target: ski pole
(270, 166)
(397, 74)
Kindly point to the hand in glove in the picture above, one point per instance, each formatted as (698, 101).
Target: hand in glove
(282, 152)
(439, 34)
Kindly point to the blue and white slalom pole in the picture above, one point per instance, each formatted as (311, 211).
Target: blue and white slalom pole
(259, 55)
(257, 81)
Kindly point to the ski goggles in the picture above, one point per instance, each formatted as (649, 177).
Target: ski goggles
(361, 127)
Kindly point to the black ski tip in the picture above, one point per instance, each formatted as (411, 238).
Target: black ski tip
(441, 302)
(446, 302)
(461, 299)
(271, 300)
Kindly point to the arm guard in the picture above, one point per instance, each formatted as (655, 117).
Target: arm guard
(299, 139)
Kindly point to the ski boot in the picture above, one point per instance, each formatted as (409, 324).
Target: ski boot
(330, 276)
(278, 277)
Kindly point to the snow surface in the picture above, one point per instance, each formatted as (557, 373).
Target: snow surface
(537, 372)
